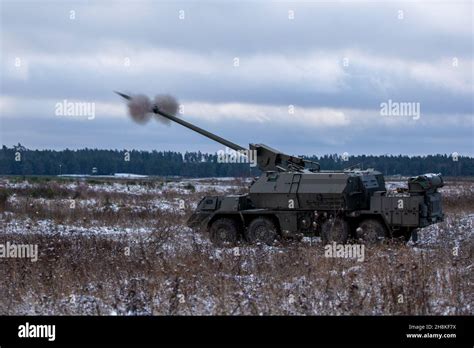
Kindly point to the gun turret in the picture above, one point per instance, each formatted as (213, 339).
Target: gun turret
(268, 159)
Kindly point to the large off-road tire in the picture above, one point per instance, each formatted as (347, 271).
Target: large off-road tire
(224, 232)
(371, 231)
(335, 229)
(261, 230)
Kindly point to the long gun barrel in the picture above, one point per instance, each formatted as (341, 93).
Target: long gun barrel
(204, 132)
(267, 158)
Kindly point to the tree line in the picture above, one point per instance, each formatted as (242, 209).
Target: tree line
(19, 160)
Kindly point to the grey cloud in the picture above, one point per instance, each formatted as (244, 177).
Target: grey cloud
(241, 28)
(226, 30)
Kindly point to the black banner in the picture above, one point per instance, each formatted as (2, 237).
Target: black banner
(419, 330)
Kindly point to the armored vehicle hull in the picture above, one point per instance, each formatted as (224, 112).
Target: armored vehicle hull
(333, 205)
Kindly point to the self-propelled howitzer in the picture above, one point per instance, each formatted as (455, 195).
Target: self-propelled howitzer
(289, 200)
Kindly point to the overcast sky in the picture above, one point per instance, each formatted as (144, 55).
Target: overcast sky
(303, 77)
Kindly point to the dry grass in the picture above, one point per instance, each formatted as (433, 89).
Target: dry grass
(173, 271)
(458, 196)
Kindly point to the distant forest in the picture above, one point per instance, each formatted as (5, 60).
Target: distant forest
(21, 161)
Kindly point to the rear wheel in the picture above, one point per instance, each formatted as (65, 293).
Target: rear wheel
(334, 229)
(371, 231)
(261, 230)
(223, 232)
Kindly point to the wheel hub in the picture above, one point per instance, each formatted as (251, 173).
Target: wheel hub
(261, 232)
(222, 233)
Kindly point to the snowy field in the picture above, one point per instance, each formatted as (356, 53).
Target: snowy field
(120, 247)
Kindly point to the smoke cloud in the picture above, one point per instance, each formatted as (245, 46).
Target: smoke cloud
(139, 108)
(168, 104)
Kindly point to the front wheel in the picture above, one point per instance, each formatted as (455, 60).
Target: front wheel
(224, 232)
